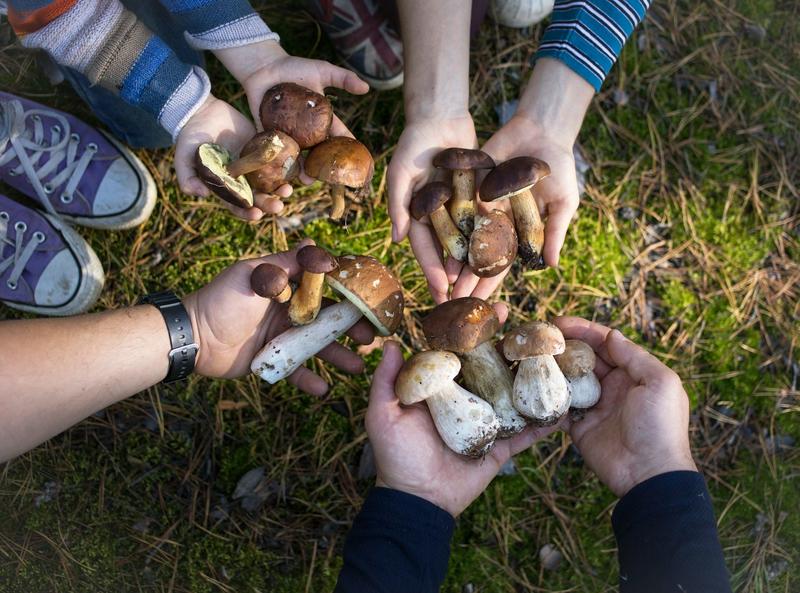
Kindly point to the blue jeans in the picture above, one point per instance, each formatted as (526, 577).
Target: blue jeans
(133, 126)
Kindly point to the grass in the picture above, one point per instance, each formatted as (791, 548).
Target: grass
(686, 239)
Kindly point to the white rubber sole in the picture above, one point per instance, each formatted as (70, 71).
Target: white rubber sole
(383, 84)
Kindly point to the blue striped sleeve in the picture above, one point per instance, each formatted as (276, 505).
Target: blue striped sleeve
(588, 36)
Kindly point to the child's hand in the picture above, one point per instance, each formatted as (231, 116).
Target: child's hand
(216, 121)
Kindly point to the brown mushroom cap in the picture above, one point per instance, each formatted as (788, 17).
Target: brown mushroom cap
(423, 373)
(300, 112)
(268, 280)
(534, 338)
(370, 286)
(429, 199)
(462, 159)
(493, 244)
(211, 161)
(279, 170)
(513, 176)
(577, 360)
(460, 325)
(340, 161)
(315, 260)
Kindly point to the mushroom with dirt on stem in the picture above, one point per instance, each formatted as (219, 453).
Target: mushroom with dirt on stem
(577, 363)
(298, 111)
(541, 392)
(466, 326)
(493, 244)
(466, 423)
(307, 299)
(513, 180)
(271, 282)
(429, 201)
(341, 162)
(463, 162)
(368, 288)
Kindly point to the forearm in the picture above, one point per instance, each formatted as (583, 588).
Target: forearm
(56, 372)
(436, 54)
(667, 537)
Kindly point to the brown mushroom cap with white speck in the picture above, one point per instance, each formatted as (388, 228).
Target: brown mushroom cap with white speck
(492, 245)
(460, 325)
(462, 159)
(300, 112)
(534, 338)
(315, 260)
(371, 287)
(268, 280)
(340, 161)
(513, 176)
(423, 374)
(429, 198)
(577, 360)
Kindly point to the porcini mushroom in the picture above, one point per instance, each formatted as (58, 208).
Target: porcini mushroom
(307, 300)
(271, 282)
(577, 363)
(341, 162)
(429, 201)
(493, 244)
(463, 162)
(540, 389)
(282, 168)
(466, 423)
(369, 288)
(466, 326)
(514, 179)
(300, 112)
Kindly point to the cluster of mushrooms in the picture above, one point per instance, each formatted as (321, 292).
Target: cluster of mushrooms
(294, 119)
(553, 375)
(487, 243)
(367, 289)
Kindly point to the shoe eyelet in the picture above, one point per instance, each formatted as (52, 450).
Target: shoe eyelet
(36, 118)
(74, 137)
(92, 146)
(11, 285)
(12, 173)
(48, 188)
(39, 236)
(66, 199)
(4, 215)
(56, 128)
(20, 226)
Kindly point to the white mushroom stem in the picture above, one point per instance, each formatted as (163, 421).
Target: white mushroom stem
(486, 374)
(540, 390)
(584, 391)
(530, 229)
(289, 350)
(449, 236)
(462, 204)
(307, 299)
(466, 423)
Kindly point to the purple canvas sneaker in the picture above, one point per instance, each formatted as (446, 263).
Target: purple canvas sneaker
(45, 266)
(73, 170)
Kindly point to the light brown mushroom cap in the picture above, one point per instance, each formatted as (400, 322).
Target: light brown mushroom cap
(534, 338)
(462, 159)
(211, 161)
(492, 245)
(513, 176)
(460, 325)
(340, 161)
(577, 360)
(371, 287)
(424, 374)
(300, 112)
(429, 198)
(268, 280)
(315, 260)
(282, 169)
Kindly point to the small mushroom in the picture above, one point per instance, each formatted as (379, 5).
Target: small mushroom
(271, 282)
(307, 300)
(284, 167)
(466, 423)
(300, 112)
(368, 289)
(429, 201)
(514, 179)
(463, 162)
(493, 244)
(540, 389)
(341, 162)
(577, 363)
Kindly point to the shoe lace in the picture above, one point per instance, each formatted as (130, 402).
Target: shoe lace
(22, 252)
(18, 141)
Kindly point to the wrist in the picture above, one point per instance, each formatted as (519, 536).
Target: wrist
(441, 501)
(244, 61)
(681, 461)
(191, 305)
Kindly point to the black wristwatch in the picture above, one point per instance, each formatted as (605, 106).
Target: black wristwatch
(183, 347)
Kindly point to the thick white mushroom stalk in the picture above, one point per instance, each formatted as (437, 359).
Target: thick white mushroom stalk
(540, 390)
(467, 424)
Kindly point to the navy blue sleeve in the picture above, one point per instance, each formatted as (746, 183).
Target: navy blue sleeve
(667, 537)
(399, 543)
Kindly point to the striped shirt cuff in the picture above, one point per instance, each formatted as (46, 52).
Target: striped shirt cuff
(589, 36)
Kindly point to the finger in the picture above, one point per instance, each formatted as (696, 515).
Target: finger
(382, 391)
(427, 252)
(267, 204)
(642, 366)
(486, 287)
(248, 214)
(400, 186)
(286, 259)
(501, 310)
(530, 435)
(465, 284)
(339, 129)
(453, 267)
(344, 79)
(307, 381)
(188, 180)
(342, 358)
(284, 191)
(555, 231)
(362, 332)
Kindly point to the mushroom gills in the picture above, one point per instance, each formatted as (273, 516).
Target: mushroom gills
(466, 423)
(541, 392)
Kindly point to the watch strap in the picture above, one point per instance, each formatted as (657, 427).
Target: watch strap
(183, 349)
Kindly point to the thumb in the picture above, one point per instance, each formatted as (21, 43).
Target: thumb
(345, 79)
(382, 390)
(285, 259)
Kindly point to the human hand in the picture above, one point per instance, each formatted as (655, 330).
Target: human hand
(640, 427)
(231, 324)
(216, 121)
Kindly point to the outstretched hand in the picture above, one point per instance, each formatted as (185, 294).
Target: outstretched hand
(231, 324)
(640, 427)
